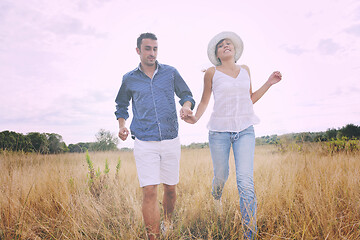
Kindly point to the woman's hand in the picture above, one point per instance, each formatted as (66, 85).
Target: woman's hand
(185, 111)
(190, 119)
(275, 77)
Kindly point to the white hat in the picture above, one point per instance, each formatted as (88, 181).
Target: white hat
(235, 39)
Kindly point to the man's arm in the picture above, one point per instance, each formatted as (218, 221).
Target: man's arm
(122, 103)
(186, 110)
(183, 92)
(123, 131)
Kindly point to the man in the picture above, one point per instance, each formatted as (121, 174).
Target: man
(151, 87)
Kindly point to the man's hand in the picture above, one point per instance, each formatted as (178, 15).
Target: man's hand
(123, 133)
(185, 110)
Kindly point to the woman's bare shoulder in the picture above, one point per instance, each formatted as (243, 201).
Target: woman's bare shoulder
(210, 72)
(246, 68)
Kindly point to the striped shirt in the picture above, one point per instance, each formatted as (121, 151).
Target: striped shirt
(153, 102)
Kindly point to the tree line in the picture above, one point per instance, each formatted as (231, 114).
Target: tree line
(350, 131)
(105, 141)
(52, 143)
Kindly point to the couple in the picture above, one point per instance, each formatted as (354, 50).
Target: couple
(151, 87)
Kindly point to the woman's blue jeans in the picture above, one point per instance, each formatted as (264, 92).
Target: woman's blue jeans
(243, 144)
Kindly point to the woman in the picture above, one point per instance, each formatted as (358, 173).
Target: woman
(232, 120)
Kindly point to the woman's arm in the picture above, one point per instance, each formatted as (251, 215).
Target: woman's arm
(275, 77)
(205, 97)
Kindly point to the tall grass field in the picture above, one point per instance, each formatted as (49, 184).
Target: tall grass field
(302, 192)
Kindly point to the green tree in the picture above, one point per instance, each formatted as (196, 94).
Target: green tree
(74, 148)
(105, 141)
(55, 143)
(13, 141)
(331, 133)
(350, 131)
(39, 142)
(79, 147)
(8, 140)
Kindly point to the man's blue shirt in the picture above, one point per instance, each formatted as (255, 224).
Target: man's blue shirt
(153, 102)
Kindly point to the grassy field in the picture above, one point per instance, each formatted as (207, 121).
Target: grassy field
(302, 194)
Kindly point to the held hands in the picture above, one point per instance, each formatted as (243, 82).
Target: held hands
(185, 111)
(275, 77)
(123, 133)
(190, 119)
(187, 115)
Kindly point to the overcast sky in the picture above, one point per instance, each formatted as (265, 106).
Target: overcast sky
(62, 62)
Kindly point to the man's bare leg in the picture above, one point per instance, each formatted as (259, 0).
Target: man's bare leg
(169, 200)
(151, 212)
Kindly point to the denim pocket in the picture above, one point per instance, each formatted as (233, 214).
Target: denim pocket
(250, 130)
(212, 133)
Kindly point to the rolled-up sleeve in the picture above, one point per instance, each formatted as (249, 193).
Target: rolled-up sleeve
(182, 90)
(122, 101)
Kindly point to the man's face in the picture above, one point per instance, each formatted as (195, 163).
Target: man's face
(148, 52)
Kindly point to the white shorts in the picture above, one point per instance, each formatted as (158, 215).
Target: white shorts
(157, 161)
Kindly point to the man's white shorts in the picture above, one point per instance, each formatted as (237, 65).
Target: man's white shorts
(157, 161)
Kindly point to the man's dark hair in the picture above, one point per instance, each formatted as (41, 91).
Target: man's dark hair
(143, 36)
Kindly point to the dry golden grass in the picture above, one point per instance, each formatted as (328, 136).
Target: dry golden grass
(301, 195)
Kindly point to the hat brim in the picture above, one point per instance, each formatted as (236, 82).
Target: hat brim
(235, 39)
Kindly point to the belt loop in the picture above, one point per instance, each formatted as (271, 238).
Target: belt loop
(237, 135)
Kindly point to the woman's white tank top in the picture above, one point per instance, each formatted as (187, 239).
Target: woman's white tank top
(233, 108)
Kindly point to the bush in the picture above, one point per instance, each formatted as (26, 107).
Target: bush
(342, 144)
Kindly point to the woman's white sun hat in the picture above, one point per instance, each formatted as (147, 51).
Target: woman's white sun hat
(235, 39)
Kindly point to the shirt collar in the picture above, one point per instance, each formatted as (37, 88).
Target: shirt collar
(158, 65)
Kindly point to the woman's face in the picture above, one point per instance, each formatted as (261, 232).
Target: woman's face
(224, 49)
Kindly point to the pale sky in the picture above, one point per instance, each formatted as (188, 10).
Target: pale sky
(62, 62)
